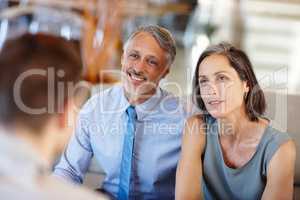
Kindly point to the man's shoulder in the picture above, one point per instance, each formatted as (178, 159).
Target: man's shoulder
(102, 97)
(106, 92)
(169, 97)
(171, 101)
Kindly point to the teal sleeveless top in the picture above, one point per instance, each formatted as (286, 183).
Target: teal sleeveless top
(247, 182)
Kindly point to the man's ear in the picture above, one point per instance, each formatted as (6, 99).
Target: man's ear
(65, 124)
(67, 115)
(166, 72)
(122, 59)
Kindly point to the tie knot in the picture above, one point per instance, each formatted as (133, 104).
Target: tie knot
(131, 112)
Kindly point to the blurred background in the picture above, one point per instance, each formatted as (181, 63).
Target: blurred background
(268, 30)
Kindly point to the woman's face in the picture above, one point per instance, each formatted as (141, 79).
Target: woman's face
(221, 88)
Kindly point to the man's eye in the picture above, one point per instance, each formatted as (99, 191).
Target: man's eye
(133, 55)
(152, 62)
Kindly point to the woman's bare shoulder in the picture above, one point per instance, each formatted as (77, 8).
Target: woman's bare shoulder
(195, 120)
(194, 133)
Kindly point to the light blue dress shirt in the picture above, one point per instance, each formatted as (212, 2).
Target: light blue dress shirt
(100, 132)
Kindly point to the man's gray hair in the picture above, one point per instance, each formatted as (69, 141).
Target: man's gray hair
(162, 36)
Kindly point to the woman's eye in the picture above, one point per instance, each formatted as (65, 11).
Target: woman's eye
(202, 81)
(222, 78)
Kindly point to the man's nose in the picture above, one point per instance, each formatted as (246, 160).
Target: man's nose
(140, 66)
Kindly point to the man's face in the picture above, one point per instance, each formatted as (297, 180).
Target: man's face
(144, 64)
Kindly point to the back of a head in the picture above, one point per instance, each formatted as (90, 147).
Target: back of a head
(35, 72)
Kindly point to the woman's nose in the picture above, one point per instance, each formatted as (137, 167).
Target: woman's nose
(210, 89)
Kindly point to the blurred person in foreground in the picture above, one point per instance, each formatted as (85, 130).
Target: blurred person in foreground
(35, 103)
(232, 151)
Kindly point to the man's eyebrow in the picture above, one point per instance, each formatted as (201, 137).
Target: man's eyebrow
(150, 56)
(132, 51)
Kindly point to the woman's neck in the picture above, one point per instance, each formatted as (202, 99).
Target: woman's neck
(238, 128)
(235, 125)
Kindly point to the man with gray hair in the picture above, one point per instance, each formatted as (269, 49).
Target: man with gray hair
(133, 129)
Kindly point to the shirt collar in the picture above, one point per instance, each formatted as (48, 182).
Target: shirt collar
(21, 161)
(143, 109)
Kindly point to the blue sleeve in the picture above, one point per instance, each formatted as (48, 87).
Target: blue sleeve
(76, 158)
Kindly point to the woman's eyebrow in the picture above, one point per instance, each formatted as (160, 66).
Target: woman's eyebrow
(220, 72)
(202, 76)
(216, 73)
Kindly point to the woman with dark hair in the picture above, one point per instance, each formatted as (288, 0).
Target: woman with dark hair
(231, 151)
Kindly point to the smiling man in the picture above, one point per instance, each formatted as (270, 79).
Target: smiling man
(133, 129)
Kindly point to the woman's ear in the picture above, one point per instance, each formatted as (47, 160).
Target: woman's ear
(246, 86)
